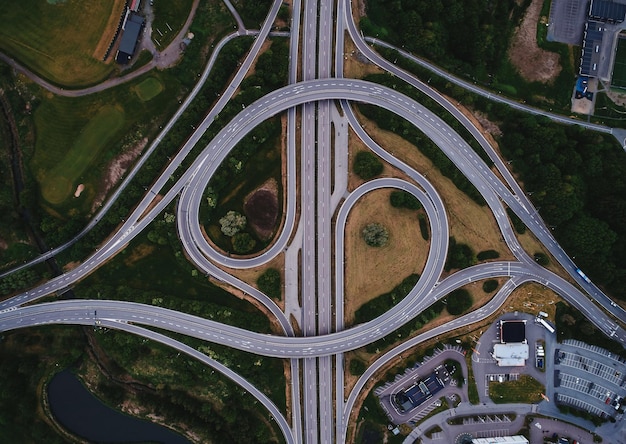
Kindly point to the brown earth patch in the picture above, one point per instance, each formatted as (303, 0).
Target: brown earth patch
(261, 209)
(355, 65)
(139, 252)
(533, 63)
(109, 30)
(116, 170)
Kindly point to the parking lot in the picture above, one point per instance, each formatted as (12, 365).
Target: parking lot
(586, 386)
(582, 405)
(608, 373)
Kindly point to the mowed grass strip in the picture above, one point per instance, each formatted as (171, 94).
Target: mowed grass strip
(148, 89)
(57, 41)
(58, 184)
(526, 390)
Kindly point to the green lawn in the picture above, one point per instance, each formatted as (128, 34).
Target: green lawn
(169, 18)
(59, 183)
(76, 138)
(58, 41)
(525, 390)
(148, 89)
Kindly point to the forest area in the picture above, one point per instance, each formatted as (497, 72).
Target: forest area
(464, 36)
(575, 177)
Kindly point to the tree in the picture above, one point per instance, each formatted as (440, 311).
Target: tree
(459, 301)
(243, 242)
(269, 283)
(375, 235)
(459, 255)
(490, 285)
(541, 258)
(232, 223)
(402, 199)
(366, 165)
(357, 367)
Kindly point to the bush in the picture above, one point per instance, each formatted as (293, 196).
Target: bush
(423, 226)
(269, 283)
(357, 367)
(487, 254)
(459, 301)
(380, 304)
(490, 285)
(375, 235)
(517, 223)
(402, 199)
(367, 165)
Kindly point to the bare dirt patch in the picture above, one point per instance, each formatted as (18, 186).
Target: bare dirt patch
(261, 209)
(116, 170)
(79, 189)
(533, 63)
(372, 271)
(139, 252)
(354, 64)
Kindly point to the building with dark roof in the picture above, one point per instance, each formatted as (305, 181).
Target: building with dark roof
(420, 391)
(592, 44)
(131, 31)
(513, 331)
(607, 11)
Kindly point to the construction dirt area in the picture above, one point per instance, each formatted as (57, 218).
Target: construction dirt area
(533, 63)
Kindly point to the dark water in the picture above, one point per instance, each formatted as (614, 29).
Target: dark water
(84, 415)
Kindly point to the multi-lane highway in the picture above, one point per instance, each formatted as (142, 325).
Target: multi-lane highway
(311, 236)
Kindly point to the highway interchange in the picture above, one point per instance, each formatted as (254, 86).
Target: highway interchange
(320, 350)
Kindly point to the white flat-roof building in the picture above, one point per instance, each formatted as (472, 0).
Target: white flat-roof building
(511, 355)
(517, 439)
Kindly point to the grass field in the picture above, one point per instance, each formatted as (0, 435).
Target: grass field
(619, 69)
(59, 183)
(370, 271)
(525, 390)
(78, 137)
(169, 18)
(148, 89)
(58, 41)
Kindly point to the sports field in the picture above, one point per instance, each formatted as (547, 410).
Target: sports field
(619, 69)
(60, 41)
(59, 183)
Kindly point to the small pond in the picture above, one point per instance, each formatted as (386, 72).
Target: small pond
(86, 416)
